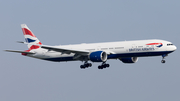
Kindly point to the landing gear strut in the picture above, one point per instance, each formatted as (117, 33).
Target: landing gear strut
(163, 58)
(86, 65)
(104, 65)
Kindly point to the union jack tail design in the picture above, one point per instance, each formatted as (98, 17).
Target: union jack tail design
(30, 38)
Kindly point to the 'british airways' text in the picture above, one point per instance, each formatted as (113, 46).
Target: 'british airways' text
(141, 49)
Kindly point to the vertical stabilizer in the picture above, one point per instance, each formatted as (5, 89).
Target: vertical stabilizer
(30, 38)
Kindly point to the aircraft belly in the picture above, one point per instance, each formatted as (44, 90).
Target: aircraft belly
(138, 54)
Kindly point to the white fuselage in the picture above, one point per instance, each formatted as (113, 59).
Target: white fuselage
(114, 50)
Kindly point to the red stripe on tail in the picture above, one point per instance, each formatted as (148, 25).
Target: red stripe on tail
(31, 48)
(27, 32)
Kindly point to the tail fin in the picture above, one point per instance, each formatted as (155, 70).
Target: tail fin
(30, 38)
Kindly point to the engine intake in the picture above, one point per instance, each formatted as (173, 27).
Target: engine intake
(98, 56)
(129, 60)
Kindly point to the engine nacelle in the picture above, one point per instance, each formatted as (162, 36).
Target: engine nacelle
(129, 60)
(98, 56)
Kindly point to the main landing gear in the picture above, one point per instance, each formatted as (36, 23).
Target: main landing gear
(104, 65)
(163, 58)
(86, 65)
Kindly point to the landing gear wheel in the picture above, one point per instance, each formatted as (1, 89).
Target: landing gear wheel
(104, 65)
(86, 65)
(90, 64)
(100, 67)
(163, 61)
(82, 67)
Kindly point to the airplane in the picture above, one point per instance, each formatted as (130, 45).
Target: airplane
(125, 51)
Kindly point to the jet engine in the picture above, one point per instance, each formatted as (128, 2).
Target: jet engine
(98, 56)
(129, 60)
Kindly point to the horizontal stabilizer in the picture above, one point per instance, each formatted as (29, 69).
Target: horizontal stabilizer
(19, 51)
(26, 43)
(21, 42)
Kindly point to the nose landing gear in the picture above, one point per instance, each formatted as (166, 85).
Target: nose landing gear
(163, 58)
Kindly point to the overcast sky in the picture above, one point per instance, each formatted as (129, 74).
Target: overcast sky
(63, 22)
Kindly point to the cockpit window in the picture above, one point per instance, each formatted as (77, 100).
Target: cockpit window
(169, 44)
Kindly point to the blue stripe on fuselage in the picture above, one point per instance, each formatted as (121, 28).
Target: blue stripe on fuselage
(140, 54)
(160, 46)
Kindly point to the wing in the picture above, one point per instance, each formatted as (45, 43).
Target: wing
(64, 50)
(19, 51)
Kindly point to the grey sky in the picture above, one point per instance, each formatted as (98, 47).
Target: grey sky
(81, 21)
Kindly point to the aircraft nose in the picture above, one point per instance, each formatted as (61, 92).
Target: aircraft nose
(174, 48)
